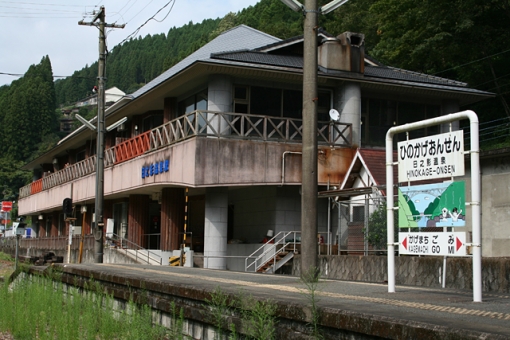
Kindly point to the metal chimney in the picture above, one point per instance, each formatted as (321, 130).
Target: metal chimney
(346, 52)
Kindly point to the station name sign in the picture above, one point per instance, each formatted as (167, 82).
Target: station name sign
(155, 168)
(437, 156)
(440, 244)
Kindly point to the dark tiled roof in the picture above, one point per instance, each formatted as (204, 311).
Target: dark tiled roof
(400, 74)
(371, 72)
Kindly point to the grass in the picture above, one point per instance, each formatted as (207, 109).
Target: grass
(311, 281)
(6, 265)
(39, 308)
(258, 316)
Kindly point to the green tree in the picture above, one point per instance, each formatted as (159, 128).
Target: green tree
(377, 232)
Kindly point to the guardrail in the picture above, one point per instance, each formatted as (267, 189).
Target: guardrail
(132, 249)
(197, 123)
(279, 244)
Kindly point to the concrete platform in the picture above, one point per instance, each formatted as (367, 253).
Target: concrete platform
(349, 309)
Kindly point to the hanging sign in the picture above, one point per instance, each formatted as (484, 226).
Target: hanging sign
(437, 156)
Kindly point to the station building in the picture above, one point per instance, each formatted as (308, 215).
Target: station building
(219, 135)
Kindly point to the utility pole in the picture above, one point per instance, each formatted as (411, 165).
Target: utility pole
(98, 224)
(309, 179)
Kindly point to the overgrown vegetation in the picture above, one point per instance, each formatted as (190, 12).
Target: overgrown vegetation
(40, 308)
(258, 317)
(311, 281)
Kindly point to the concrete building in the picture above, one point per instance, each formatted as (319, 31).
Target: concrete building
(219, 135)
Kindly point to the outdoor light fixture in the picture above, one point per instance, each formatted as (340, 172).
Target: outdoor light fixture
(117, 124)
(294, 5)
(41, 217)
(331, 6)
(83, 209)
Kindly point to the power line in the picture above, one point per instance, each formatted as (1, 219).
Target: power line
(151, 18)
(38, 4)
(23, 75)
(472, 62)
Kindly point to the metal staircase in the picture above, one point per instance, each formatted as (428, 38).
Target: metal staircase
(273, 254)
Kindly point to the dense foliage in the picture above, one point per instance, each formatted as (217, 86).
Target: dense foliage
(466, 40)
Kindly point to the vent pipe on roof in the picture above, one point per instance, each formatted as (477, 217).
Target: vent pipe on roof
(346, 52)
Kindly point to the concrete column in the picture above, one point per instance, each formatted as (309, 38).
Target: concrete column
(219, 98)
(348, 102)
(215, 228)
(447, 107)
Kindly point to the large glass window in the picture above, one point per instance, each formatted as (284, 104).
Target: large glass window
(196, 102)
(379, 115)
(275, 102)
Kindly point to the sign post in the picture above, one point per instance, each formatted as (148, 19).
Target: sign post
(413, 157)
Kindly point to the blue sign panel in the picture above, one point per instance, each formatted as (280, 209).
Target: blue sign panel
(155, 168)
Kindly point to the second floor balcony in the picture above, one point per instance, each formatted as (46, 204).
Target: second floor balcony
(207, 124)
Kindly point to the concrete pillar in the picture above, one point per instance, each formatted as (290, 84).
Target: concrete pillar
(219, 98)
(447, 107)
(215, 228)
(348, 102)
(172, 218)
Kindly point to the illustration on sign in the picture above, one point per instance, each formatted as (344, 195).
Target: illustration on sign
(432, 205)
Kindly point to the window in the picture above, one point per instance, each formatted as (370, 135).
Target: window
(378, 116)
(198, 101)
(193, 103)
(274, 102)
(152, 121)
(358, 213)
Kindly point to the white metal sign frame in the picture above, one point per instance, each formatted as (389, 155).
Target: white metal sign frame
(475, 193)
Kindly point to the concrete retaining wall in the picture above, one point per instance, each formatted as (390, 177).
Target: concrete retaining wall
(415, 271)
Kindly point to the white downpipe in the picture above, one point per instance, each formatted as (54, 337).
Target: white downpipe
(475, 194)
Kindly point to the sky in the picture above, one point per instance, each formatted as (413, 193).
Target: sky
(33, 29)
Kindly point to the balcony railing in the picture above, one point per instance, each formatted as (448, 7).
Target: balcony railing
(198, 123)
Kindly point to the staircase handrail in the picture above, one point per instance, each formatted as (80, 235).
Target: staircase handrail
(150, 256)
(278, 239)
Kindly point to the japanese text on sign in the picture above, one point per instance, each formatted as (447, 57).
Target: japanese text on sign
(155, 168)
(431, 157)
(440, 244)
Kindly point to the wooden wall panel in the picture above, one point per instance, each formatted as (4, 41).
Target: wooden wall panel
(172, 217)
(138, 219)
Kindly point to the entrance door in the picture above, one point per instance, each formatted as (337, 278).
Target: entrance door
(153, 233)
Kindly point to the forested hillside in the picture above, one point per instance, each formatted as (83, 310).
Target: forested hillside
(466, 40)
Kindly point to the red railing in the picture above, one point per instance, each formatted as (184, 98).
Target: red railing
(132, 147)
(36, 186)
